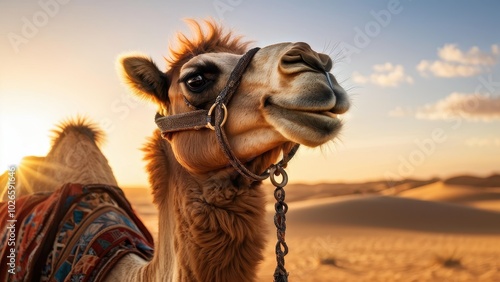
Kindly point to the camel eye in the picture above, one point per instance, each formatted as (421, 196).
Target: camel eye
(197, 83)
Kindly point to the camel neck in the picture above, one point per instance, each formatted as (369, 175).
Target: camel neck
(209, 229)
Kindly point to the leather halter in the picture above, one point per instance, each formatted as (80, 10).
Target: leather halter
(215, 118)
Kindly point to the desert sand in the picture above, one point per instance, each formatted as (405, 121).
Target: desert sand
(420, 231)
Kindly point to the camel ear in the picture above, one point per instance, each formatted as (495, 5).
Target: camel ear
(143, 76)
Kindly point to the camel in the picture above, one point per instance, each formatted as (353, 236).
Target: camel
(34, 225)
(211, 211)
(211, 218)
(74, 157)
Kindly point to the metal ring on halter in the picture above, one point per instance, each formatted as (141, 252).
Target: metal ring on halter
(277, 170)
(209, 125)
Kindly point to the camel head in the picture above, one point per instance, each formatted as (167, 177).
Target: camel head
(286, 95)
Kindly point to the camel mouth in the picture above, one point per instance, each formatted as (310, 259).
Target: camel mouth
(322, 107)
(306, 113)
(305, 126)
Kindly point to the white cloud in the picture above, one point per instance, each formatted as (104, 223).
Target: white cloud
(474, 56)
(385, 75)
(495, 49)
(475, 107)
(447, 69)
(454, 62)
(468, 106)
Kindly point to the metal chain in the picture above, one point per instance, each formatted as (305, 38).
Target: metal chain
(280, 274)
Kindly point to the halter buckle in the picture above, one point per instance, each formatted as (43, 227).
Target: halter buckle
(209, 116)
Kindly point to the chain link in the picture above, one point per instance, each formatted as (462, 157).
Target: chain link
(280, 274)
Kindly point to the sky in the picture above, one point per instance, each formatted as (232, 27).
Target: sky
(423, 77)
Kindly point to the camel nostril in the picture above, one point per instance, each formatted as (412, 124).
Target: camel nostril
(325, 61)
(301, 55)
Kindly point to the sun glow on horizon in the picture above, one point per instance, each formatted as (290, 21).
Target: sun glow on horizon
(21, 136)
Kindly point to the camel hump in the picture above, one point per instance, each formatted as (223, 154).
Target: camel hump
(74, 157)
(78, 125)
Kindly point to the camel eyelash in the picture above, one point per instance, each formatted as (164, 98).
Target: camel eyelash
(207, 69)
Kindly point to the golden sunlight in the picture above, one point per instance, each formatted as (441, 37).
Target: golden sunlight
(27, 136)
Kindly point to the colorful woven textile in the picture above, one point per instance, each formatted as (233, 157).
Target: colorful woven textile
(76, 233)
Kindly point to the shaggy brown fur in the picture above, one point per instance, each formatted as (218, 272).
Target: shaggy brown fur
(214, 39)
(219, 227)
(79, 125)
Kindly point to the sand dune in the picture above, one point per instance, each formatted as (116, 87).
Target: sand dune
(394, 213)
(388, 238)
(479, 197)
(430, 231)
(301, 192)
(469, 180)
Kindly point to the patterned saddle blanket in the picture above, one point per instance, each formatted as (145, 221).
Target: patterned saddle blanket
(76, 233)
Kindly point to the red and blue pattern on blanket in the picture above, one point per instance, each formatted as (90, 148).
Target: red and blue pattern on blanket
(76, 233)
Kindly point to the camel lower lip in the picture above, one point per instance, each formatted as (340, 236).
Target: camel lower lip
(316, 115)
(330, 114)
(306, 112)
(321, 120)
